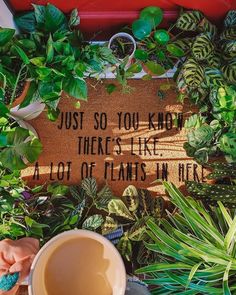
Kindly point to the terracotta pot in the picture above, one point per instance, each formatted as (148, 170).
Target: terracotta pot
(29, 112)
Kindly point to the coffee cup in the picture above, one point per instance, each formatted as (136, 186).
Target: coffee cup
(78, 262)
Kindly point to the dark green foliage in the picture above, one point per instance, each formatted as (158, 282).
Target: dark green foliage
(223, 190)
(208, 78)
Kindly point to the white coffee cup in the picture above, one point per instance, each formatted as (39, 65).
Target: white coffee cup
(114, 273)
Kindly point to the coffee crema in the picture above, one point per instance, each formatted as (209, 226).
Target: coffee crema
(78, 267)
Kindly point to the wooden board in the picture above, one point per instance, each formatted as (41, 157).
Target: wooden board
(119, 138)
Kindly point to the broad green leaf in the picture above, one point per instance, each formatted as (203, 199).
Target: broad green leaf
(117, 207)
(134, 68)
(152, 14)
(155, 68)
(6, 35)
(4, 111)
(141, 29)
(20, 147)
(39, 12)
(50, 50)
(53, 114)
(25, 22)
(54, 19)
(93, 222)
(76, 87)
(162, 37)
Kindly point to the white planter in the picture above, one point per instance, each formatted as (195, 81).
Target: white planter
(28, 113)
(128, 36)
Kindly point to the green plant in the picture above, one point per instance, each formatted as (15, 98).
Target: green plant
(44, 213)
(196, 247)
(17, 145)
(156, 47)
(132, 212)
(207, 77)
(58, 59)
(224, 188)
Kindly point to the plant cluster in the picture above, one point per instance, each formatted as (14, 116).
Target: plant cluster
(156, 50)
(44, 213)
(207, 77)
(196, 249)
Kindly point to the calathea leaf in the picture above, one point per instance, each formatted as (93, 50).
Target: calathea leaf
(202, 47)
(117, 207)
(19, 146)
(138, 230)
(131, 198)
(89, 185)
(229, 71)
(93, 222)
(193, 73)
(230, 19)
(109, 225)
(103, 198)
(146, 202)
(189, 21)
(74, 18)
(77, 193)
(125, 247)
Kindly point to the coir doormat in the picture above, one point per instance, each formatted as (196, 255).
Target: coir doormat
(121, 139)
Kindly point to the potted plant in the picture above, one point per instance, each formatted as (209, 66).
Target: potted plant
(207, 78)
(122, 44)
(155, 47)
(60, 60)
(15, 84)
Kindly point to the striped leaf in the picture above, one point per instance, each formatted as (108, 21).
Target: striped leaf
(109, 225)
(206, 26)
(131, 197)
(230, 19)
(228, 34)
(229, 48)
(193, 73)
(229, 71)
(214, 76)
(184, 43)
(189, 21)
(214, 60)
(202, 47)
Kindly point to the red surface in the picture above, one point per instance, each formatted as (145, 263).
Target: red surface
(213, 9)
(104, 17)
(95, 5)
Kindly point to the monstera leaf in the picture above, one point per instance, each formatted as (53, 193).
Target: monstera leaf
(20, 147)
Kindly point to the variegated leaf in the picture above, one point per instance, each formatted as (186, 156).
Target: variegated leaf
(193, 73)
(103, 198)
(189, 21)
(117, 207)
(90, 186)
(202, 47)
(125, 247)
(131, 198)
(93, 222)
(109, 225)
(138, 230)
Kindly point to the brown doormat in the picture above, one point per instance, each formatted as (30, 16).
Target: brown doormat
(118, 138)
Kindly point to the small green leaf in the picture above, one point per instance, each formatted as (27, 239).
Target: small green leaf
(141, 29)
(53, 114)
(153, 15)
(175, 50)
(93, 222)
(162, 37)
(74, 18)
(21, 54)
(155, 68)
(141, 54)
(111, 88)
